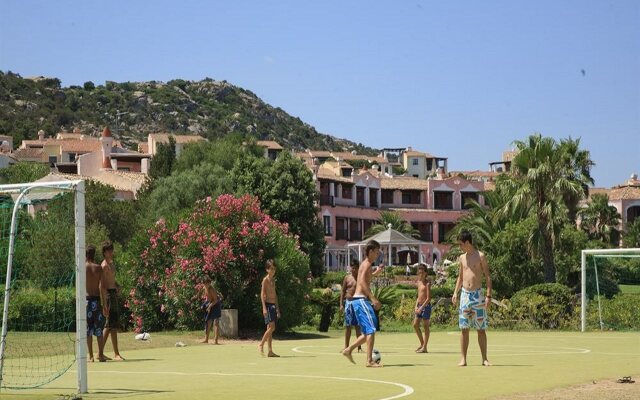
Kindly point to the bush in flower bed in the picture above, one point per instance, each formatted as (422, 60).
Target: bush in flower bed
(229, 241)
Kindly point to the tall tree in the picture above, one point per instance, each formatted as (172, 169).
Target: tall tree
(578, 166)
(600, 220)
(397, 223)
(540, 180)
(162, 162)
(288, 193)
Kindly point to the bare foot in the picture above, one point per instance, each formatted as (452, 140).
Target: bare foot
(272, 354)
(118, 357)
(216, 343)
(107, 358)
(486, 363)
(462, 363)
(204, 341)
(102, 359)
(373, 365)
(347, 354)
(421, 350)
(90, 359)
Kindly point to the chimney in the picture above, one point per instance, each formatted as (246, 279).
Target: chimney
(107, 142)
(41, 135)
(440, 173)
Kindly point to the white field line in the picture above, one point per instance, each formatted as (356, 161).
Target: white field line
(407, 390)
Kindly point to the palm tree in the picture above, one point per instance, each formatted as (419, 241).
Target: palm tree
(578, 166)
(397, 223)
(485, 221)
(600, 220)
(631, 237)
(540, 180)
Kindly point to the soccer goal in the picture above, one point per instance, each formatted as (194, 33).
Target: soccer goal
(42, 258)
(601, 272)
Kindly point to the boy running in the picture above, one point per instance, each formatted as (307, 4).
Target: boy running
(362, 302)
(473, 305)
(346, 295)
(95, 316)
(270, 309)
(212, 308)
(423, 308)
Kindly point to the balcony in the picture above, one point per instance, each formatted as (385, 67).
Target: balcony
(327, 200)
(342, 234)
(356, 235)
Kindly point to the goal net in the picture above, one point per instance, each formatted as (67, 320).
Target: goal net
(42, 266)
(607, 276)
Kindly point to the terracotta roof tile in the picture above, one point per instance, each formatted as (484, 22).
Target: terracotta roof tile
(28, 154)
(269, 144)
(403, 183)
(625, 193)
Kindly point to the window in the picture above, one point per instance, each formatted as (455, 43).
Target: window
(443, 230)
(326, 220)
(360, 196)
(429, 164)
(346, 172)
(416, 176)
(354, 230)
(426, 230)
(53, 159)
(387, 196)
(410, 197)
(347, 191)
(342, 232)
(373, 197)
(367, 224)
(442, 200)
(415, 161)
(468, 196)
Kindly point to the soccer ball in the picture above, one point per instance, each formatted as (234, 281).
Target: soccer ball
(375, 356)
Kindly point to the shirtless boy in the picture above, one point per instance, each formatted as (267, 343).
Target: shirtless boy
(473, 304)
(212, 308)
(346, 295)
(95, 300)
(270, 308)
(423, 308)
(112, 309)
(363, 303)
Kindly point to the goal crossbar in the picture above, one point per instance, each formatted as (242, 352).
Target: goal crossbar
(78, 187)
(599, 253)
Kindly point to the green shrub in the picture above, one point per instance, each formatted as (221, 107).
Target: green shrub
(619, 313)
(329, 279)
(545, 306)
(48, 310)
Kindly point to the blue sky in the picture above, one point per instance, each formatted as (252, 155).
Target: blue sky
(460, 79)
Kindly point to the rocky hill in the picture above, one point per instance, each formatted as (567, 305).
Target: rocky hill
(208, 108)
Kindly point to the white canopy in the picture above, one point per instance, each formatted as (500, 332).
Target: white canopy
(390, 238)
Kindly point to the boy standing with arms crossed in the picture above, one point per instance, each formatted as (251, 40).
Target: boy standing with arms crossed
(270, 308)
(112, 308)
(473, 304)
(423, 308)
(363, 304)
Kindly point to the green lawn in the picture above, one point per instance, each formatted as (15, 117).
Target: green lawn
(311, 368)
(630, 289)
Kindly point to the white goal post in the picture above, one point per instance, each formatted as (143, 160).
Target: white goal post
(20, 191)
(597, 253)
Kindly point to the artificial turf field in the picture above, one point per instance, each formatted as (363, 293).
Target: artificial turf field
(312, 368)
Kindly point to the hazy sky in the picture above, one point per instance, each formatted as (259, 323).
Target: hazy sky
(460, 79)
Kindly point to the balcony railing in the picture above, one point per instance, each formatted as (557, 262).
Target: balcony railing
(327, 200)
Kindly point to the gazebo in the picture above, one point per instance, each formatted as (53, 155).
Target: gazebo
(389, 238)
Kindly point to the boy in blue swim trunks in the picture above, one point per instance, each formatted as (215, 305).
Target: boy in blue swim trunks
(270, 308)
(95, 300)
(363, 303)
(423, 308)
(346, 296)
(212, 308)
(473, 304)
